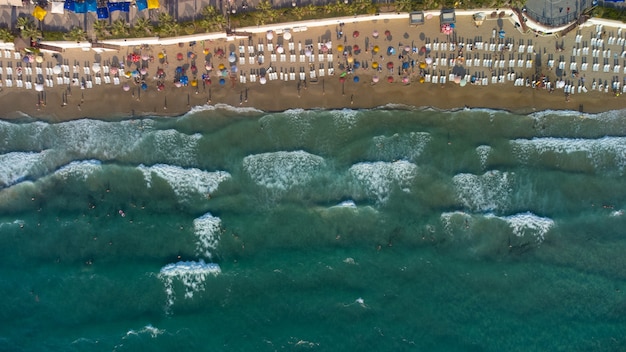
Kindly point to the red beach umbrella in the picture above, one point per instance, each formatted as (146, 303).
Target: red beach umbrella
(423, 49)
(387, 33)
(160, 87)
(179, 56)
(355, 34)
(355, 48)
(342, 79)
(160, 72)
(390, 65)
(390, 79)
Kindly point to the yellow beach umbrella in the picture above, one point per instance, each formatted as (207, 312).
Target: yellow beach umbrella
(422, 80)
(220, 66)
(39, 59)
(205, 51)
(161, 55)
(376, 49)
(127, 74)
(339, 47)
(350, 59)
(422, 65)
(194, 83)
(374, 65)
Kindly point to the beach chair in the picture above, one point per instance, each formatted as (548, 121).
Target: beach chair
(607, 68)
(586, 50)
(442, 79)
(321, 72)
(468, 63)
(270, 47)
(273, 57)
(451, 77)
(476, 62)
(260, 48)
(434, 79)
(494, 79)
(502, 63)
(436, 46)
(331, 71)
(320, 57)
(572, 66)
(10, 71)
(59, 80)
(485, 63)
(17, 56)
(302, 58)
(105, 69)
(594, 53)
(283, 57)
(98, 80)
(311, 58)
(530, 49)
(282, 75)
(9, 83)
(116, 81)
(66, 80)
(286, 77)
(250, 49)
(28, 85)
(485, 81)
(312, 74)
(292, 46)
(492, 47)
(7, 54)
(292, 76)
(595, 67)
(242, 60)
(251, 60)
(66, 68)
(521, 49)
(292, 58)
(616, 68)
(579, 38)
(329, 57)
(444, 46)
(529, 63)
(252, 77)
(39, 71)
(107, 79)
(49, 83)
(302, 76)
(19, 83)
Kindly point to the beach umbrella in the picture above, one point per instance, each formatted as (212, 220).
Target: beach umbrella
(234, 69)
(136, 58)
(350, 59)
(463, 82)
(127, 74)
(208, 67)
(391, 50)
(39, 59)
(191, 55)
(286, 35)
(135, 74)
(222, 81)
(144, 71)
(390, 65)
(126, 87)
(56, 69)
(501, 33)
(405, 80)
(343, 74)
(457, 79)
(178, 84)
(160, 72)
(205, 51)
(220, 67)
(184, 80)
(160, 86)
(207, 81)
(179, 69)
(357, 65)
(407, 48)
(324, 49)
(39, 87)
(280, 49)
(429, 60)
(423, 49)
(375, 34)
(145, 57)
(220, 51)
(387, 33)
(308, 52)
(355, 48)
(26, 59)
(340, 48)
(194, 83)
(374, 65)
(376, 49)
(161, 55)
(194, 69)
(390, 79)
(405, 65)
(144, 86)
(329, 45)
(342, 79)
(422, 80)
(423, 65)
(95, 67)
(232, 58)
(269, 35)
(375, 79)
(179, 56)
(262, 80)
(355, 79)
(355, 34)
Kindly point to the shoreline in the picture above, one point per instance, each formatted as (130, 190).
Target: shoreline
(328, 90)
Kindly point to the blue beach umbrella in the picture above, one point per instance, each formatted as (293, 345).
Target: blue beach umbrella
(356, 79)
(501, 33)
(222, 81)
(357, 64)
(179, 69)
(144, 86)
(391, 50)
(405, 65)
(452, 25)
(184, 80)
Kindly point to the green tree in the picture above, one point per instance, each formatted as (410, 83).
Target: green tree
(101, 29)
(310, 10)
(298, 12)
(142, 27)
(120, 28)
(404, 5)
(76, 34)
(168, 26)
(6, 35)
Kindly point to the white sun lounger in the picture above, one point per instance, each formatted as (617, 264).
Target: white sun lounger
(116, 80)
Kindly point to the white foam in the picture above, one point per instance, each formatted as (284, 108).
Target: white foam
(347, 204)
(237, 109)
(16, 166)
(282, 170)
(483, 152)
(487, 192)
(207, 229)
(611, 150)
(185, 182)
(172, 146)
(345, 117)
(79, 169)
(617, 212)
(148, 329)
(349, 261)
(406, 146)
(192, 275)
(529, 224)
(378, 177)
(451, 219)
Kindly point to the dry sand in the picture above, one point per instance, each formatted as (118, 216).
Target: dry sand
(110, 101)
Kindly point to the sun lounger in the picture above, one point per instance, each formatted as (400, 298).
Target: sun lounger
(494, 79)
(485, 81)
(521, 49)
(17, 56)
(270, 47)
(331, 71)
(595, 67)
(434, 79)
(520, 63)
(607, 68)
(468, 63)
(66, 68)
(39, 71)
(529, 63)
(28, 85)
(59, 80)
(436, 46)
(476, 62)
(444, 46)
(251, 60)
(442, 79)
(242, 60)
(282, 75)
(616, 68)
(252, 77)
(7, 54)
(49, 83)
(273, 57)
(19, 83)
(586, 50)
(292, 46)
(312, 74)
(451, 77)
(107, 79)
(302, 58)
(572, 66)
(250, 49)
(530, 49)
(321, 72)
(98, 80)
(492, 47)
(66, 80)
(286, 77)
(302, 76)
(283, 57)
(260, 47)
(320, 57)
(116, 80)
(9, 70)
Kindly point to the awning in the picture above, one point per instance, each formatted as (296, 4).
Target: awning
(69, 5)
(57, 7)
(80, 7)
(119, 6)
(153, 4)
(17, 3)
(141, 5)
(103, 13)
(92, 6)
(39, 13)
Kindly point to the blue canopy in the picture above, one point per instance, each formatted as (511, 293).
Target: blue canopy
(92, 6)
(405, 65)
(356, 79)
(69, 5)
(119, 6)
(141, 4)
(80, 7)
(184, 80)
(103, 13)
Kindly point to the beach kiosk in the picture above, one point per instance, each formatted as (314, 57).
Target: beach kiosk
(447, 16)
(416, 18)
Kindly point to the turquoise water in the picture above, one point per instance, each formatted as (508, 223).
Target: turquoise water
(378, 230)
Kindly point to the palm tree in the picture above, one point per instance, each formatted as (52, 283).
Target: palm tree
(30, 32)
(264, 6)
(298, 12)
(143, 26)
(119, 28)
(210, 11)
(23, 22)
(76, 34)
(310, 9)
(6, 35)
(101, 29)
(404, 5)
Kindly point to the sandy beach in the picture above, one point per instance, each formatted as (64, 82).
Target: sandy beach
(525, 56)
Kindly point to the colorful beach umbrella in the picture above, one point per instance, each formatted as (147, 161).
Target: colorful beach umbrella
(405, 80)
(423, 65)
(340, 48)
(144, 71)
(39, 59)
(179, 56)
(222, 81)
(220, 67)
(144, 86)
(161, 55)
(376, 49)
(126, 87)
(375, 79)
(375, 34)
(194, 83)
(269, 35)
(355, 34)
(387, 33)
(390, 65)
(457, 79)
(355, 79)
(390, 79)
(342, 79)
(374, 65)
(422, 80)
(355, 48)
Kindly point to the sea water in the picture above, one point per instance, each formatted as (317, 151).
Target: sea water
(381, 230)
